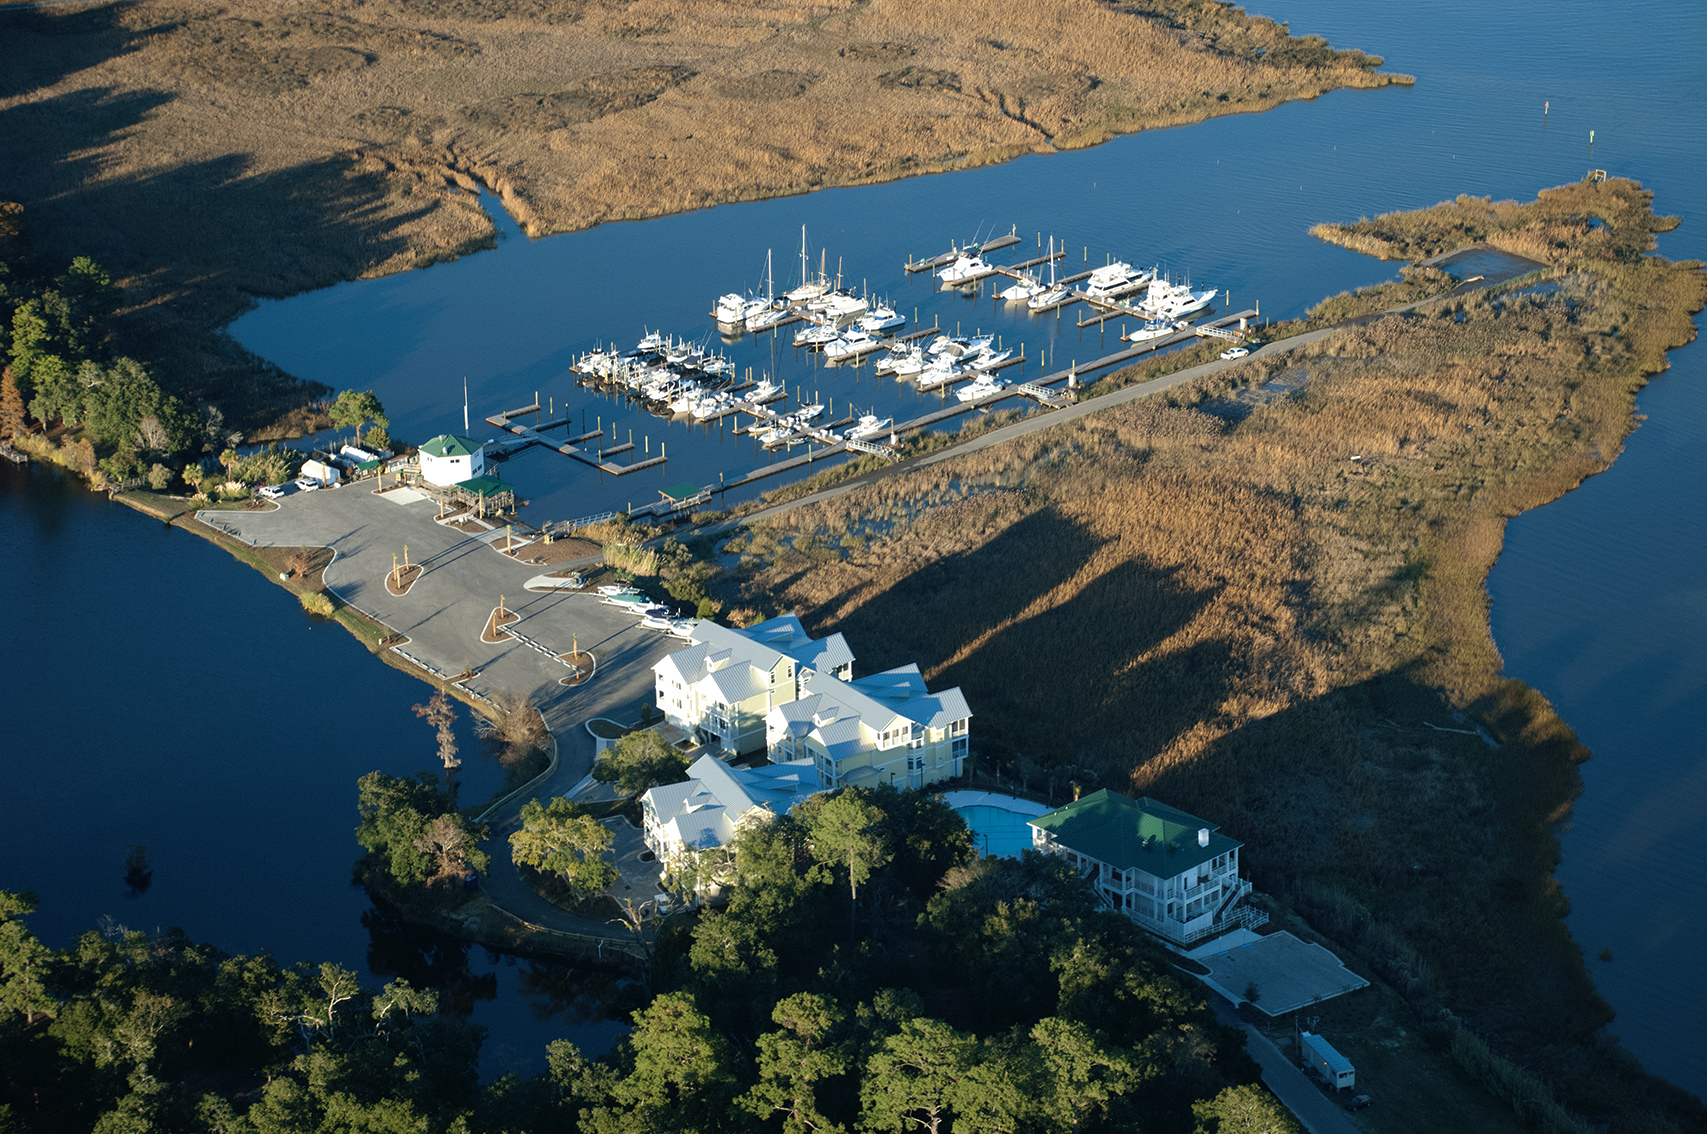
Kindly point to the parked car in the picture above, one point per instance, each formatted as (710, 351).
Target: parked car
(1235, 352)
(1358, 1102)
(271, 491)
(307, 483)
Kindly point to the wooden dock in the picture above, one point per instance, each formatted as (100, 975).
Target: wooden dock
(530, 435)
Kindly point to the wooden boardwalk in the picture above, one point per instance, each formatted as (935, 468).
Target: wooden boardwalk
(533, 435)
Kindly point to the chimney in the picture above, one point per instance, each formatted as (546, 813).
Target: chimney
(1203, 836)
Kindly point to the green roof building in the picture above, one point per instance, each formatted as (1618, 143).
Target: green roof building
(448, 459)
(1171, 872)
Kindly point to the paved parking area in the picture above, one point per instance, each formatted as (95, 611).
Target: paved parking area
(444, 612)
(1289, 974)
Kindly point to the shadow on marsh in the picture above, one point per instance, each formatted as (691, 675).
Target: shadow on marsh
(45, 46)
(1052, 677)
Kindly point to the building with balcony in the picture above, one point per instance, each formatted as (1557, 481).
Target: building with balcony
(448, 459)
(1174, 874)
(705, 811)
(722, 686)
(883, 729)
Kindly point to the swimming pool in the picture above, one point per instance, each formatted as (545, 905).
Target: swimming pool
(998, 822)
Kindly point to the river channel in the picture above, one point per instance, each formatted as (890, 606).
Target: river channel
(1597, 601)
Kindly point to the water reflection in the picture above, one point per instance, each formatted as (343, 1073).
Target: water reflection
(578, 995)
(425, 958)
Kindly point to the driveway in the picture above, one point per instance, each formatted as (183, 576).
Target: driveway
(1318, 1113)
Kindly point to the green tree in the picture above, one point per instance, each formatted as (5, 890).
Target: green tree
(1080, 1072)
(193, 476)
(24, 961)
(564, 840)
(58, 394)
(847, 830)
(911, 1081)
(640, 760)
(1244, 1110)
(679, 1078)
(795, 1061)
(395, 813)
(353, 408)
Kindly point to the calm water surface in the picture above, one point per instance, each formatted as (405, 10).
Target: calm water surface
(1597, 601)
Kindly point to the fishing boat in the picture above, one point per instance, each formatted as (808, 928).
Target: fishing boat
(609, 591)
(990, 359)
(652, 343)
(711, 405)
(869, 426)
(807, 413)
(817, 333)
(852, 344)
(1028, 286)
(906, 363)
(1155, 329)
(980, 387)
(881, 318)
(765, 391)
(939, 373)
(965, 270)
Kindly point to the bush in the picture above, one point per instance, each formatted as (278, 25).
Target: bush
(159, 477)
(317, 603)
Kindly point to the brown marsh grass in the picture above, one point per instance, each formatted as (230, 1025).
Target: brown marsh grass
(210, 153)
(1280, 622)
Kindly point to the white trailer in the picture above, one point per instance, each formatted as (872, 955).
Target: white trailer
(324, 474)
(1334, 1069)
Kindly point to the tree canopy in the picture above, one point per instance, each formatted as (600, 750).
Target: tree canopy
(562, 839)
(640, 760)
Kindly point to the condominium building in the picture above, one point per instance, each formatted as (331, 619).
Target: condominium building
(721, 686)
(1174, 874)
(705, 811)
(883, 729)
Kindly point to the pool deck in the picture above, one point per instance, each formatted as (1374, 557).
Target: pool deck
(960, 799)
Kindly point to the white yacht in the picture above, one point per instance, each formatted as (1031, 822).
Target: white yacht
(652, 343)
(809, 288)
(965, 270)
(939, 373)
(765, 391)
(839, 305)
(731, 309)
(1116, 279)
(869, 426)
(907, 363)
(990, 359)
(1028, 286)
(852, 344)
(980, 387)
(807, 413)
(777, 312)
(711, 405)
(1168, 300)
(687, 395)
(1053, 295)
(1155, 329)
(881, 318)
(816, 334)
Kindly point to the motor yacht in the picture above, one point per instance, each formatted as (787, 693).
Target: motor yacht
(765, 391)
(817, 334)
(907, 363)
(965, 270)
(852, 344)
(869, 426)
(989, 360)
(939, 373)
(980, 387)
(881, 318)
(1028, 286)
(1116, 279)
(1155, 329)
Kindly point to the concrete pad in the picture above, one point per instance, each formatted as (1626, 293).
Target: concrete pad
(639, 879)
(1289, 974)
(402, 495)
(1222, 944)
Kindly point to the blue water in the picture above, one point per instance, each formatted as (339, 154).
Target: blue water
(1597, 601)
(158, 693)
(996, 830)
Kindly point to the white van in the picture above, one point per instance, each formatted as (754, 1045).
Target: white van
(271, 491)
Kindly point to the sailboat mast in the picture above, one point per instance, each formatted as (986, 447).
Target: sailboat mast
(465, 403)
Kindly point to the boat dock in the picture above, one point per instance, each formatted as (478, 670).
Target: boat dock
(534, 435)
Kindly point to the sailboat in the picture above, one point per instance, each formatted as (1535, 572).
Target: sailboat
(809, 288)
(1055, 293)
(774, 310)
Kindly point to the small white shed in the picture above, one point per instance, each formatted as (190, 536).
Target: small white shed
(321, 472)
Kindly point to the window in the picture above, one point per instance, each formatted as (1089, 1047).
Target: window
(957, 747)
(915, 763)
(958, 728)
